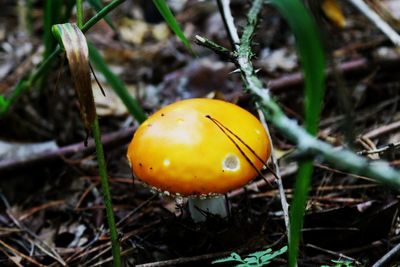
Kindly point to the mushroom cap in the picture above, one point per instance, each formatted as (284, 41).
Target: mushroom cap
(181, 151)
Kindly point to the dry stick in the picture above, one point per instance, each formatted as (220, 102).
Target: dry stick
(48, 250)
(388, 257)
(11, 258)
(227, 18)
(109, 140)
(349, 67)
(20, 254)
(186, 260)
(307, 144)
(383, 130)
(331, 252)
(123, 253)
(377, 20)
(391, 146)
(284, 203)
(288, 170)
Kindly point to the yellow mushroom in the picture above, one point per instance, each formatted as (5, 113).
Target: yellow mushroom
(199, 147)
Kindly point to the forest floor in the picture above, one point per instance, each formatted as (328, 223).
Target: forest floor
(51, 206)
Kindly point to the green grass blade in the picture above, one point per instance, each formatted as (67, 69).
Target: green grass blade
(312, 59)
(118, 86)
(311, 55)
(74, 42)
(51, 16)
(98, 5)
(171, 21)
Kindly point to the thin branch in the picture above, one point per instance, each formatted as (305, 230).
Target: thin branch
(227, 18)
(344, 160)
(284, 203)
(394, 126)
(391, 146)
(377, 20)
(387, 259)
(49, 157)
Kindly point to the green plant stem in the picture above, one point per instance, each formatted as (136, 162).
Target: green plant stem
(116, 251)
(52, 12)
(107, 9)
(45, 65)
(79, 13)
(115, 246)
(312, 60)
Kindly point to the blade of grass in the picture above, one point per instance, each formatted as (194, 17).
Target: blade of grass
(118, 86)
(116, 250)
(79, 13)
(51, 16)
(169, 18)
(312, 59)
(115, 246)
(98, 5)
(75, 45)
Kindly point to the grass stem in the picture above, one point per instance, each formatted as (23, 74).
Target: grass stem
(116, 251)
(115, 246)
(79, 13)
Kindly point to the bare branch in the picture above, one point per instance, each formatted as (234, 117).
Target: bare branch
(344, 160)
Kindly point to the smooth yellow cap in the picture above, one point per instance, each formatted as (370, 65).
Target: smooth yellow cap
(181, 150)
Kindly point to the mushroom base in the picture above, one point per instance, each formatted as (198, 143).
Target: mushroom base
(200, 208)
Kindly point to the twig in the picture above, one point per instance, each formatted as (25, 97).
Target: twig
(391, 146)
(33, 210)
(11, 258)
(342, 159)
(284, 203)
(227, 18)
(20, 254)
(383, 130)
(388, 257)
(220, 50)
(43, 246)
(331, 252)
(139, 207)
(289, 170)
(103, 262)
(297, 79)
(45, 158)
(377, 20)
(185, 260)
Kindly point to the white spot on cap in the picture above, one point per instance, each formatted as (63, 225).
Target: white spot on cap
(166, 162)
(231, 163)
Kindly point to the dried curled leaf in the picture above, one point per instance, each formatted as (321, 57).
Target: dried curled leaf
(74, 42)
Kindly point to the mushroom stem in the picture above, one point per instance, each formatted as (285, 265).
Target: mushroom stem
(199, 208)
